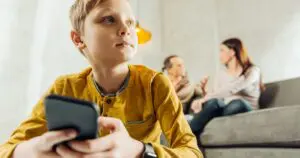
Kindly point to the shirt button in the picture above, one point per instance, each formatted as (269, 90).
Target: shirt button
(108, 101)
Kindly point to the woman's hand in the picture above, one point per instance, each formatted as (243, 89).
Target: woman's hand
(197, 105)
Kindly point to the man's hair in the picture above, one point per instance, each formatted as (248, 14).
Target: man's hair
(79, 10)
(167, 62)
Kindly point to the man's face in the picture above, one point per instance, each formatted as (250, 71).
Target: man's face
(109, 33)
(178, 68)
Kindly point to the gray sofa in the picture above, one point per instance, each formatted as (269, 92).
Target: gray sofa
(271, 132)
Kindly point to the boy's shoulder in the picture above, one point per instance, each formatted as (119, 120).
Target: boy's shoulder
(75, 77)
(73, 81)
(151, 76)
(137, 69)
(142, 69)
(143, 72)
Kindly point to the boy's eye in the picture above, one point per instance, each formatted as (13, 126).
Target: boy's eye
(108, 20)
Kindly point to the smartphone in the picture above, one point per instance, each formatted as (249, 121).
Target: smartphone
(69, 113)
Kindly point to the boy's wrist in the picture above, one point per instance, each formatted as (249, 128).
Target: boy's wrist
(140, 149)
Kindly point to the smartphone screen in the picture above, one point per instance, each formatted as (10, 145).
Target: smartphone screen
(69, 113)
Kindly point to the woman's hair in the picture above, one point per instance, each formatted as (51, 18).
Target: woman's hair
(240, 52)
(242, 56)
(167, 62)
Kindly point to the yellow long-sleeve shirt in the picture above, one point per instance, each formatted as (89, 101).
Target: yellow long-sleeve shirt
(147, 106)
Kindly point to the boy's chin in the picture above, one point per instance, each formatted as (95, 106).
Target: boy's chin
(122, 58)
(119, 57)
(126, 56)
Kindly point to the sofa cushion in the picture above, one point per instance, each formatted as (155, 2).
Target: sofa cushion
(275, 125)
(253, 153)
(281, 93)
(268, 96)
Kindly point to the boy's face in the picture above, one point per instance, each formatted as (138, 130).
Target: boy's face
(109, 33)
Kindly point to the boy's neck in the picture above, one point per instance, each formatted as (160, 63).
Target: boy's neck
(110, 78)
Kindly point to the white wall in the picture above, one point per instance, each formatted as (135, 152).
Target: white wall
(270, 30)
(148, 13)
(17, 18)
(190, 31)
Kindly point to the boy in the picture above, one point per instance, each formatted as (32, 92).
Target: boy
(136, 102)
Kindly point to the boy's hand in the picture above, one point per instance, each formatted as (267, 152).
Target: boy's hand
(116, 144)
(42, 146)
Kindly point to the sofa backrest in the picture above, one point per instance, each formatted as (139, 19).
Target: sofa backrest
(281, 93)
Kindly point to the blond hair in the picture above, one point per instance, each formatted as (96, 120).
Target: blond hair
(78, 12)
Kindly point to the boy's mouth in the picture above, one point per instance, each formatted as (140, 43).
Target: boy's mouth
(124, 44)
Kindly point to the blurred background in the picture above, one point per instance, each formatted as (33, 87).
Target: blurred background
(36, 48)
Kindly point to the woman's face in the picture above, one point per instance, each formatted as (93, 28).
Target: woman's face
(177, 68)
(226, 54)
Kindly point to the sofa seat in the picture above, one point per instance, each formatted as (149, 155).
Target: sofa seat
(274, 127)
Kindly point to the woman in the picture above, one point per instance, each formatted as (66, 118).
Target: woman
(186, 92)
(238, 89)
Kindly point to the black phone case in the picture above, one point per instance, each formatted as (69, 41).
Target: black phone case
(69, 113)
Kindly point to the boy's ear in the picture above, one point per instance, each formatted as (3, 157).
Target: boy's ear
(75, 36)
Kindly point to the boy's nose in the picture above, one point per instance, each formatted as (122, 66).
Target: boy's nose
(124, 31)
